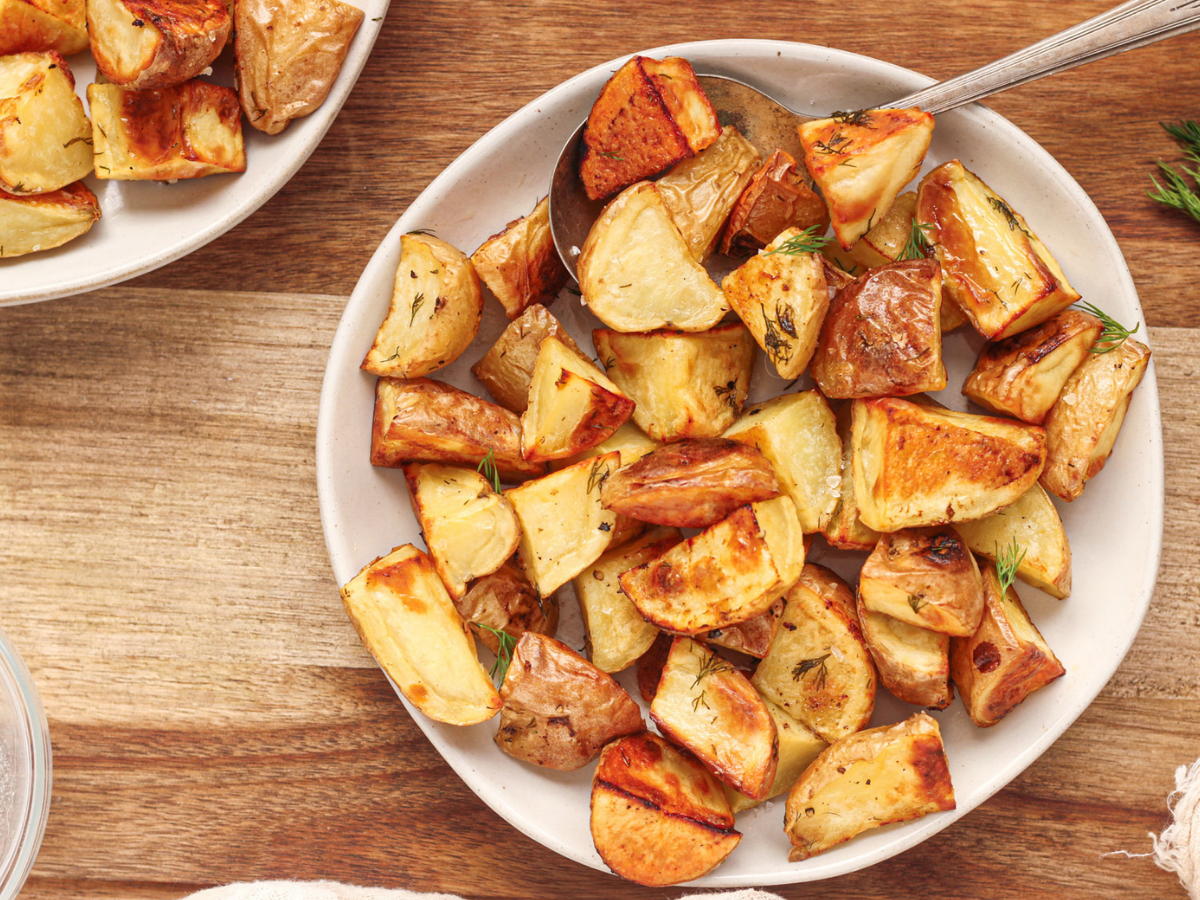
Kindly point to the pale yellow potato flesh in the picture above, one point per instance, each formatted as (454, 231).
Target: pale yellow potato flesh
(798, 747)
(45, 136)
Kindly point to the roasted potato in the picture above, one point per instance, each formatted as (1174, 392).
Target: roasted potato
(404, 616)
(888, 774)
(684, 385)
(35, 25)
(1005, 661)
(883, 244)
(658, 817)
(506, 601)
(145, 45)
(288, 56)
(691, 484)
(818, 668)
(636, 272)
(706, 705)
(520, 264)
(776, 199)
(45, 137)
(798, 747)
(33, 222)
(844, 529)
(920, 465)
(882, 335)
(629, 440)
(650, 665)
(506, 370)
(993, 265)
(1083, 424)
(752, 637)
(559, 709)
(913, 663)
(186, 131)
(861, 160)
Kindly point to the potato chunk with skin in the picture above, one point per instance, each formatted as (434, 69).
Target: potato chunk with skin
(404, 616)
(798, 747)
(752, 637)
(1083, 424)
(288, 56)
(861, 160)
(708, 706)
(818, 668)
(913, 663)
(506, 370)
(844, 529)
(776, 199)
(45, 136)
(658, 817)
(36, 222)
(506, 601)
(629, 440)
(691, 484)
(1005, 661)
(559, 709)
(145, 45)
(888, 774)
(520, 264)
(186, 131)
(636, 272)
(883, 334)
(36, 25)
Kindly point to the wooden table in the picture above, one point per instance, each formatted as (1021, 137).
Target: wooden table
(214, 717)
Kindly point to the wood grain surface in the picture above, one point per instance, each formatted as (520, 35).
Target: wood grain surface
(213, 716)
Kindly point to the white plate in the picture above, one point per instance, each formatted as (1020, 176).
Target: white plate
(1115, 528)
(148, 224)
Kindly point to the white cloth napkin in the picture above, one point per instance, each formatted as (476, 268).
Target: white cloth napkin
(332, 890)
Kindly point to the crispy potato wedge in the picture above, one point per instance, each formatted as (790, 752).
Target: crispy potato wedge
(559, 709)
(776, 199)
(861, 160)
(882, 336)
(636, 272)
(1023, 375)
(629, 440)
(404, 616)
(288, 56)
(926, 577)
(709, 707)
(700, 191)
(145, 45)
(1005, 661)
(913, 663)
(520, 264)
(920, 465)
(45, 136)
(437, 305)
(31, 26)
(993, 265)
(844, 529)
(658, 817)
(818, 668)
(888, 774)
(752, 637)
(506, 370)
(684, 385)
(425, 420)
(798, 747)
(691, 484)
(186, 131)
(572, 405)
(728, 573)
(1033, 522)
(506, 601)
(797, 434)
(34, 222)
(1083, 424)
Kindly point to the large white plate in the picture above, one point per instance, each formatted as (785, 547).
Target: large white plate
(148, 224)
(1115, 528)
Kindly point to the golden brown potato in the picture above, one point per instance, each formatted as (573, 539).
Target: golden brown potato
(404, 616)
(425, 420)
(844, 529)
(1023, 375)
(144, 45)
(728, 573)
(1083, 425)
(706, 705)
(650, 115)
(636, 272)
(1005, 661)
(884, 243)
(818, 668)
(34, 222)
(45, 137)
(861, 160)
(920, 465)
(436, 308)
(187, 131)
(650, 665)
(506, 370)
(913, 663)
(888, 774)
(776, 199)
(926, 577)
(752, 637)
(288, 56)
(684, 385)
(34, 25)
(883, 334)
(798, 747)
(993, 265)
(520, 264)
(658, 817)
(506, 601)
(629, 440)
(559, 709)
(700, 191)
(691, 484)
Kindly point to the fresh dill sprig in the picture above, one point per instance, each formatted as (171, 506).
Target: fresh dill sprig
(1114, 333)
(504, 653)
(487, 468)
(1177, 193)
(807, 241)
(418, 302)
(816, 665)
(1008, 560)
(596, 478)
(711, 665)
(918, 245)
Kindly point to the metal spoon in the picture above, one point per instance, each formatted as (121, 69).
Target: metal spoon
(769, 125)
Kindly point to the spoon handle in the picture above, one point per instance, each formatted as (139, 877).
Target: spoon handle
(1125, 27)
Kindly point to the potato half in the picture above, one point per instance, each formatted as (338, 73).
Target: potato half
(913, 663)
(34, 222)
(145, 45)
(776, 199)
(520, 264)
(45, 136)
(506, 370)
